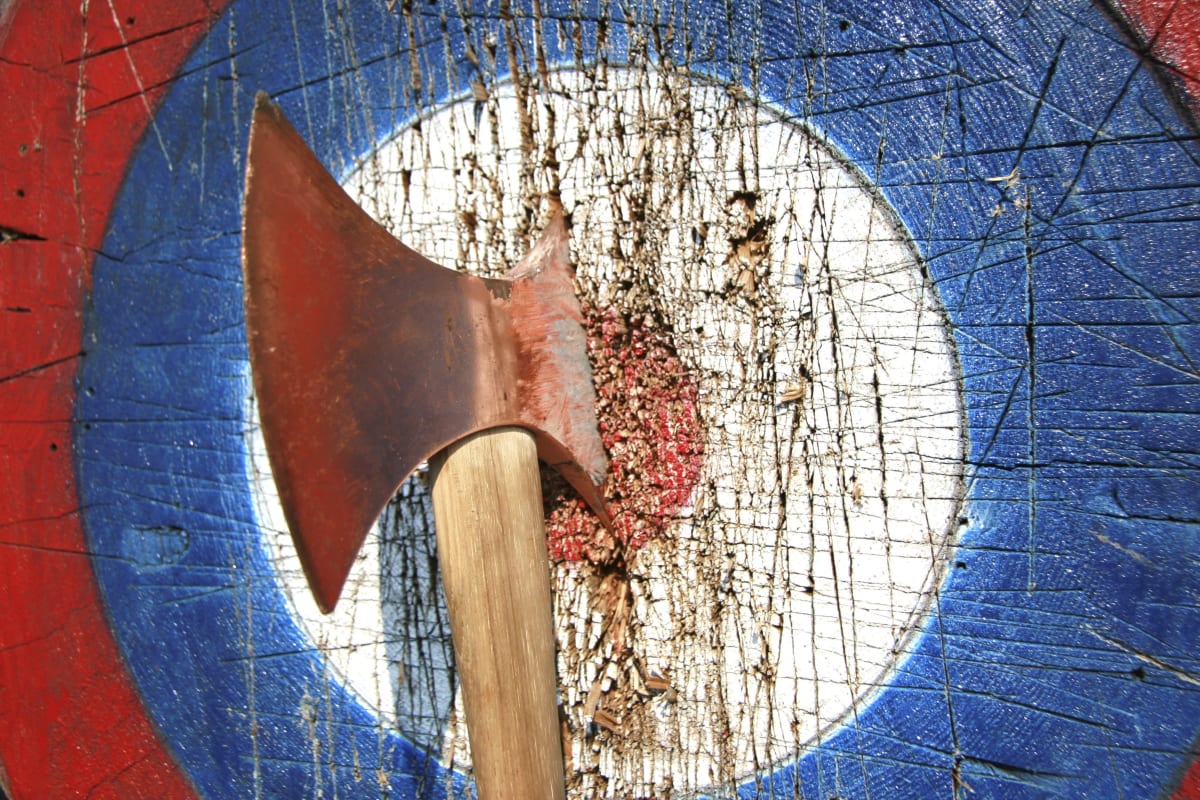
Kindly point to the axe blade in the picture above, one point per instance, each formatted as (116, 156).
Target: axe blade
(368, 358)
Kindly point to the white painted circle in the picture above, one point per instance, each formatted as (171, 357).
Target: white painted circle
(830, 394)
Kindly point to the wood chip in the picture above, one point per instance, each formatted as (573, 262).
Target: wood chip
(606, 720)
(657, 684)
(793, 393)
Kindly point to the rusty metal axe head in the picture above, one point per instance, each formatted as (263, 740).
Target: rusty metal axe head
(368, 358)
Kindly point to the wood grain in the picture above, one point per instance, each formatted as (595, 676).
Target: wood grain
(492, 550)
(147, 649)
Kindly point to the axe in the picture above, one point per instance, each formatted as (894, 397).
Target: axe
(368, 360)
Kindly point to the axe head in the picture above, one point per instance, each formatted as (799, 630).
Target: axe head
(368, 358)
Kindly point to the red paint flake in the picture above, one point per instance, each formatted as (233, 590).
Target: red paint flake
(649, 424)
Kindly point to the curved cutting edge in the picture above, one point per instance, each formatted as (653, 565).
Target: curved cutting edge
(369, 358)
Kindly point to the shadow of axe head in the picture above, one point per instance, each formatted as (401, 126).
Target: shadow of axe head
(369, 358)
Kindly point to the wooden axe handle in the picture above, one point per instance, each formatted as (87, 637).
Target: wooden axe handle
(487, 504)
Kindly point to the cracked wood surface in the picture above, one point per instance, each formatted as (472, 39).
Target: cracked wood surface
(1049, 651)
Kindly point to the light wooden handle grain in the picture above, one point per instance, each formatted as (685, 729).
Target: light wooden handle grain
(487, 504)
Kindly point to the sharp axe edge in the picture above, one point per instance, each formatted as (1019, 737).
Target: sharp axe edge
(368, 358)
(557, 394)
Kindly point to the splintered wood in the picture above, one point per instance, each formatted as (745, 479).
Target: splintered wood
(647, 409)
(779, 397)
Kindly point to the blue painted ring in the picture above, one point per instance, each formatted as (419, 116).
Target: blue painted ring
(1056, 658)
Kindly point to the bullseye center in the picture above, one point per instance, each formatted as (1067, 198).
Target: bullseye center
(780, 400)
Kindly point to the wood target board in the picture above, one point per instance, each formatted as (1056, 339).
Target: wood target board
(892, 313)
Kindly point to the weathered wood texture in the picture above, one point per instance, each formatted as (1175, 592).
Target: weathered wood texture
(841, 568)
(487, 501)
